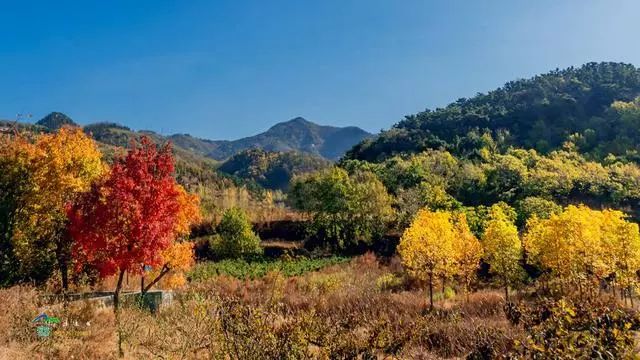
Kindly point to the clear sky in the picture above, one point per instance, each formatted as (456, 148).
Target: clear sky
(227, 69)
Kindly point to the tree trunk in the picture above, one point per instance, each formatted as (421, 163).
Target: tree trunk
(165, 270)
(116, 310)
(430, 291)
(506, 290)
(116, 293)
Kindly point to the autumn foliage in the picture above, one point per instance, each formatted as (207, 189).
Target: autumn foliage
(45, 172)
(439, 245)
(131, 220)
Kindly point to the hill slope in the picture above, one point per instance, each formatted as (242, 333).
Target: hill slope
(540, 113)
(297, 134)
(272, 170)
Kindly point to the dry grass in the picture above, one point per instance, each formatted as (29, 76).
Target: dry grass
(338, 312)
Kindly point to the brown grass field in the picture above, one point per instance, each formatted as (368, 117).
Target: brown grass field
(352, 310)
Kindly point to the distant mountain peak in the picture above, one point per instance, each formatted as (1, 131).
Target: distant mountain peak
(296, 134)
(55, 120)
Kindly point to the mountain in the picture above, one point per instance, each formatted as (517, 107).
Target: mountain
(272, 170)
(297, 134)
(592, 107)
(56, 120)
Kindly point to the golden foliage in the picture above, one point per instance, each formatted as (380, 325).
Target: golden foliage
(427, 246)
(581, 242)
(502, 245)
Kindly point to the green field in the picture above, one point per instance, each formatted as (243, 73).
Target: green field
(259, 267)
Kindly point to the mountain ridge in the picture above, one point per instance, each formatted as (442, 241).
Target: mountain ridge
(297, 134)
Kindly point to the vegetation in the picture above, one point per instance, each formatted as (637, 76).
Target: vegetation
(39, 179)
(234, 237)
(257, 267)
(338, 312)
(347, 210)
(272, 170)
(539, 113)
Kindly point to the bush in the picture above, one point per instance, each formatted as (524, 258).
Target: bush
(390, 282)
(234, 237)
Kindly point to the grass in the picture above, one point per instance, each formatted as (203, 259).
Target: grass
(360, 308)
(259, 267)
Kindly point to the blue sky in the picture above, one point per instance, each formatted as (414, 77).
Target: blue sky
(228, 69)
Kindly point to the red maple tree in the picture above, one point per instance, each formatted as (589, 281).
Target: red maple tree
(128, 219)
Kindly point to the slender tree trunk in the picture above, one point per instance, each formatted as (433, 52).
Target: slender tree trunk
(116, 310)
(165, 270)
(116, 293)
(431, 291)
(443, 286)
(506, 290)
(467, 288)
(142, 281)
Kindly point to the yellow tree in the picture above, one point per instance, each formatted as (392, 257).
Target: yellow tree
(468, 251)
(570, 245)
(621, 246)
(64, 164)
(427, 247)
(502, 247)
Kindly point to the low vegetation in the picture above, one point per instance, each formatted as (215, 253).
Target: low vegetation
(258, 267)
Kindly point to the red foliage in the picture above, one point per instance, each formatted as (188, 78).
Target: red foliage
(129, 218)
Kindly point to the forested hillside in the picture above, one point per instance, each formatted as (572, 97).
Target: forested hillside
(272, 170)
(591, 105)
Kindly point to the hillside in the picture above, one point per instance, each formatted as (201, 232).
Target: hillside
(540, 113)
(297, 134)
(272, 170)
(217, 190)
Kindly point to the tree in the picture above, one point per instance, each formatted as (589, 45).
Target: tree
(621, 248)
(535, 206)
(427, 247)
(128, 219)
(570, 244)
(580, 244)
(15, 182)
(468, 251)
(235, 237)
(57, 167)
(347, 210)
(502, 247)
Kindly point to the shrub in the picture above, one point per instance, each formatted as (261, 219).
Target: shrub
(389, 281)
(234, 237)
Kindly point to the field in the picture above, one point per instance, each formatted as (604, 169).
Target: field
(361, 308)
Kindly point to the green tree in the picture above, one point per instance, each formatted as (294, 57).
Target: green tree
(346, 210)
(234, 237)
